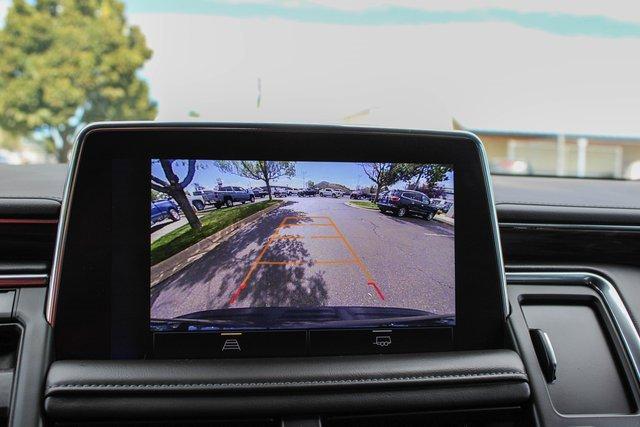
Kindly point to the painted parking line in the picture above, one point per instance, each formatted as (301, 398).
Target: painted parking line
(438, 235)
(358, 261)
(286, 222)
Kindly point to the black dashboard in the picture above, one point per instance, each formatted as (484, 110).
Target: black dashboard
(560, 348)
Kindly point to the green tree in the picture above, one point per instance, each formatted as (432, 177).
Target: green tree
(66, 63)
(265, 171)
(386, 174)
(433, 174)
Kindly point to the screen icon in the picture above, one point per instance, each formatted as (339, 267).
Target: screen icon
(231, 344)
(382, 341)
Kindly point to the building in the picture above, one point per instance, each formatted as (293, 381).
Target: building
(542, 153)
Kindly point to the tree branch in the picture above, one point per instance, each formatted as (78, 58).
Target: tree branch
(158, 188)
(159, 181)
(190, 173)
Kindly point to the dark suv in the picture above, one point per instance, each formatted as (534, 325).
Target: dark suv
(403, 202)
(307, 192)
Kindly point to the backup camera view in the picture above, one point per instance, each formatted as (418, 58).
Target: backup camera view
(282, 244)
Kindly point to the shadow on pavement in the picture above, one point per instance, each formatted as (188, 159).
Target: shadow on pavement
(417, 220)
(223, 270)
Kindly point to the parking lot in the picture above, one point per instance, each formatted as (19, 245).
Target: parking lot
(319, 252)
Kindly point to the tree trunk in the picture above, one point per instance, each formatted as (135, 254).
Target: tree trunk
(176, 191)
(182, 201)
(62, 152)
(378, 186)
(266, 181)
(417, 184)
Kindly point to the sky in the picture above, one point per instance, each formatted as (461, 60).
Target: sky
(530, 65)
(350, 175)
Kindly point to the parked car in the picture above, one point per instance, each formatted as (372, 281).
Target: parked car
(279, 192)
(441, 204)
(227, 196)
(259, 192)
(330, 192)
(208, 196)
(404, 202)
(164, 209)
(308, 192)
(360, 195)
(197, 202)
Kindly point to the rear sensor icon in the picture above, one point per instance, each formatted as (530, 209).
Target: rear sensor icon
(383, 341)
(231, 345)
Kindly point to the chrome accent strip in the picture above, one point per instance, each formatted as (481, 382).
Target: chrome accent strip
(493, 216)
(56, 270)
(580, 227)
(613, 303)
(9, 280)
(61, 234)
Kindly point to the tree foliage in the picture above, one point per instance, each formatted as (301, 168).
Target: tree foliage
(66, 63)
(386, 174)
(174, 187)
(262, 170)
(433, 175)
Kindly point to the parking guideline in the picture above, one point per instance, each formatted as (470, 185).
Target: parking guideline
(277, 236)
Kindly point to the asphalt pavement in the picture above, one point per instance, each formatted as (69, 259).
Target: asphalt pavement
(319, 252)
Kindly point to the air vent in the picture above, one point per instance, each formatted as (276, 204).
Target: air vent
(27, 240)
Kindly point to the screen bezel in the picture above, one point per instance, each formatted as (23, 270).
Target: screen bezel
(98, 312)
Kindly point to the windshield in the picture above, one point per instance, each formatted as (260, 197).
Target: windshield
(551, 88)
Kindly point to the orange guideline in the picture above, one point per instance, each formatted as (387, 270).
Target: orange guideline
(277, 236)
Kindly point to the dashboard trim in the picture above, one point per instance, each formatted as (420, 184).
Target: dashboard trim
(23, 280)
(613, 303)
(580, 227)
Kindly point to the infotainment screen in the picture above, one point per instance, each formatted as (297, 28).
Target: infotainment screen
(299, 244)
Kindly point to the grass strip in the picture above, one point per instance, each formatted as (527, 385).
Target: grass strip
(212, 222)
(363, 204)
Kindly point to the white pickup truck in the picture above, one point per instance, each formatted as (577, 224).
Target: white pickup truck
(330, 192)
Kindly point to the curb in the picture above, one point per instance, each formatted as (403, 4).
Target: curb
(360, 207)
(177, 262)
(444, 219)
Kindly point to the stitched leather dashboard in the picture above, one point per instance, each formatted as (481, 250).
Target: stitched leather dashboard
(197, 388)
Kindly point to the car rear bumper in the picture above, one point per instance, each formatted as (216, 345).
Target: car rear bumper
(386, 206)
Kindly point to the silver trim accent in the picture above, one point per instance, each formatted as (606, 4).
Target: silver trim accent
(493, 217)
(61, 236)
(580, 227)
(613, 303)
(24, 277)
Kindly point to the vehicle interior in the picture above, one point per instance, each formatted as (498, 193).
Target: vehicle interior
(384, 265)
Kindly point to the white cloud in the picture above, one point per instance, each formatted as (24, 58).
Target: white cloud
(628, 10)
(486, 75)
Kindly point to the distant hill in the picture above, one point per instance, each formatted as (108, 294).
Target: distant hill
(333, 186)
